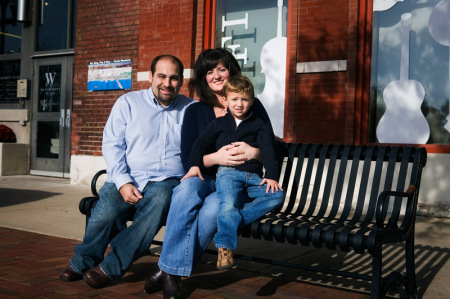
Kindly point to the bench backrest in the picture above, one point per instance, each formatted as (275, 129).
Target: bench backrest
(342, 183)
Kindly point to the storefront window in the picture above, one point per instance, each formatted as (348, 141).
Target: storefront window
(255, 32)
(55, 19)
(409, 96)
(9, 74)
(10, 29)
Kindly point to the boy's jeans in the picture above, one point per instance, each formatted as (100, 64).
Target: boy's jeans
(107, 225)
(231, 185)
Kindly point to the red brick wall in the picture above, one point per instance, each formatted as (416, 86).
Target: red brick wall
(324, 107)
(136, 29)
(320, 106)
(105, 30)
(166, 27)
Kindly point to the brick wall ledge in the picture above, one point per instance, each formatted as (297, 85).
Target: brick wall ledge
(13, 115)
(321, 66)
(143, 76)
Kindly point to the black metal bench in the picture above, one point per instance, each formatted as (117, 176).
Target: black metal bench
(348, 198)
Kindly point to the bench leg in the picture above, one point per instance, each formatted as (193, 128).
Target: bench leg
(376, 291)
(410, 282)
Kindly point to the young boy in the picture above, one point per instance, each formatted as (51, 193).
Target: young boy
(240, 184)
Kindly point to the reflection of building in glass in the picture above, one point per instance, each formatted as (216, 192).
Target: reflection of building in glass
(255, 37)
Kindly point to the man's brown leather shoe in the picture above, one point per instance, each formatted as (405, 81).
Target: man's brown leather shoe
(96, 278)
(153, 284)
(171, 285)
(69, 274)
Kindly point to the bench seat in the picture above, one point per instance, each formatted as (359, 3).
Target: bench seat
(343, 197)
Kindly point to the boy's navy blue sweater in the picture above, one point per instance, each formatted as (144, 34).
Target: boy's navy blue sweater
(223, 131)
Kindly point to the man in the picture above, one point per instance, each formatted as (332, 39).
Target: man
(141, 146)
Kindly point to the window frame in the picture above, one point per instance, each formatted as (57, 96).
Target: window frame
(363, 82)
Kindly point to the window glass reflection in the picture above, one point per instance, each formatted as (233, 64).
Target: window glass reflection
(9, 74)
(48, 139)
(53, 25)
(10, 29)
(410, 53)
(255, 32)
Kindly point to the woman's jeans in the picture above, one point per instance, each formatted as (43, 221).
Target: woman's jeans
(231, 185)
(108, 225)
(192, 223)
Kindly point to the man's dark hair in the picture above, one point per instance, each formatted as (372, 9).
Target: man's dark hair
(174, 59)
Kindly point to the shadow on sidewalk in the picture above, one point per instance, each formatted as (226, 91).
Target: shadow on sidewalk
(429, 262)
(10, 197)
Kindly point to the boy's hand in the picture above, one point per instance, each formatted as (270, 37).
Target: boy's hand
(193, 171)
(272, 185)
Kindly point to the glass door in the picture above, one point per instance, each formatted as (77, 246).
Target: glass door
(51, 120)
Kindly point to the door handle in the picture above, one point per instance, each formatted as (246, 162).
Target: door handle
(68, 118)
(61, 118)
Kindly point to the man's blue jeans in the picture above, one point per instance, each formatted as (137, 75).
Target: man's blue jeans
(108, 225)
(192, 223)
(231, 185)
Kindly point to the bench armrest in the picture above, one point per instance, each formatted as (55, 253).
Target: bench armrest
(383, 203)
(94, 181)
(87, 203)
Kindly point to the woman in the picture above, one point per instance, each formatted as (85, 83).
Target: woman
(192, 219)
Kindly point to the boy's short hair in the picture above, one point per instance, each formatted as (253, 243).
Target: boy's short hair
(239, 84)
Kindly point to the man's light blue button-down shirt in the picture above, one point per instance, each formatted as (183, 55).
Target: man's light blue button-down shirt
(141, 139)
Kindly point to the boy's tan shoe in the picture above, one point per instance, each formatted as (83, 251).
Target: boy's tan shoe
(225, 259)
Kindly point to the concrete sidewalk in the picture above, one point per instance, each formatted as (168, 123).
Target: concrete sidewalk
(49, 206)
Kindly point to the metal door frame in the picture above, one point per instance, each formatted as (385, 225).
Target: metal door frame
(58, 167)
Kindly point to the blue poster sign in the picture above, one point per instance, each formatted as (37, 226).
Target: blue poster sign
(109, 75)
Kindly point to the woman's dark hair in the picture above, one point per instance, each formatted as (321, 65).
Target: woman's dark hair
(206, 61)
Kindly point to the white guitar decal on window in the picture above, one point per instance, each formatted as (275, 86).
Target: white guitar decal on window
(403, 120)
(273, 65)
(380, 5)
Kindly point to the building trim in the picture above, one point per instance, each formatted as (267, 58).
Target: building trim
(321, 66)
(143, 76)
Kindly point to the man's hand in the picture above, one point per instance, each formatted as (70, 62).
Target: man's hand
(271, 185)
(130, 194)
(193, 171)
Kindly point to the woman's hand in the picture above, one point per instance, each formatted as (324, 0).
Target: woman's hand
(249, 151)
(232, 155)
(228, 155)
(193, 171)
